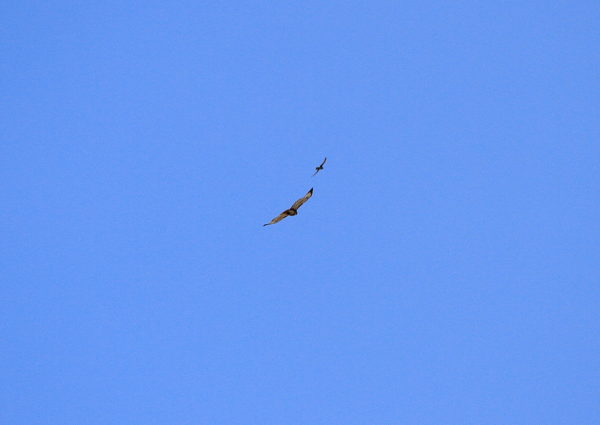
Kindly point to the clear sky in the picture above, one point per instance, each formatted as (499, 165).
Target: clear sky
(445, 271)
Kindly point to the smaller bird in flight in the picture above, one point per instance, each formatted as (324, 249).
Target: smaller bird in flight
(320, 167)
(293, 209)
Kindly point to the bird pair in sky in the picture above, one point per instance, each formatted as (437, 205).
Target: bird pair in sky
(293, 210)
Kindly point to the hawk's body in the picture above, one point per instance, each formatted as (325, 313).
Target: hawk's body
(293, 210)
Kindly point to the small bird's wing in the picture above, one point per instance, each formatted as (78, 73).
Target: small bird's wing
(318, 169)
(323, 163)
(278, 218)
(302, 200)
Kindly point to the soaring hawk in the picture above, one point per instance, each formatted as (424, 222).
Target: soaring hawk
(293, 209)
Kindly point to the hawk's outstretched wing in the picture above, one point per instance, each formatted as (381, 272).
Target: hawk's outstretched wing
(278, 218)
(302, 200)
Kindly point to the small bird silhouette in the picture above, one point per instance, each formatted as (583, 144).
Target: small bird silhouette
(293, 209)
(320, 167)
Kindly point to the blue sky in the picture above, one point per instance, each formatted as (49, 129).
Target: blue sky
(445, 271)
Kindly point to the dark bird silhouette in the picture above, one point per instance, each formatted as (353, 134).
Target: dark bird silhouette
(320, 167)
(293, 209)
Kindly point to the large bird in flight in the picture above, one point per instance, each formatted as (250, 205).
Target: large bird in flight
(320, 167)
(293, 209)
